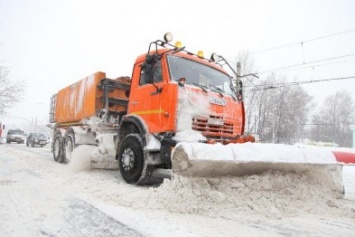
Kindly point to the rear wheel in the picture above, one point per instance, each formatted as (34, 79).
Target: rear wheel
(69, 145)
(57, 147)
(131, 160)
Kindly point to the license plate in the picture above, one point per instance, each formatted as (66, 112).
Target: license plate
(42, 143)
(215, 121)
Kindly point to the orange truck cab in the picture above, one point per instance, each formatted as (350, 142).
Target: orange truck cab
(173, 96)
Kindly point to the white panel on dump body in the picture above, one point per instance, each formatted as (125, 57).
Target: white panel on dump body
(83, 137)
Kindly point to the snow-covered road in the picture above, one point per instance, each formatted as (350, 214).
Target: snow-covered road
(39, 197)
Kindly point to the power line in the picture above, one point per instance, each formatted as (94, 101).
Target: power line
(305, 63)
(303, 42)
(321, 65)
(296, 83)
(320, 124)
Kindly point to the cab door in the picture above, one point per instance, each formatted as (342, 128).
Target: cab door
(152, 97)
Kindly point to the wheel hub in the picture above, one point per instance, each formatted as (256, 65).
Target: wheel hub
(128, 159)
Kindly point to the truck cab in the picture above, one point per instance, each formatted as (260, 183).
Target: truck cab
(167, 82)
(175, 96)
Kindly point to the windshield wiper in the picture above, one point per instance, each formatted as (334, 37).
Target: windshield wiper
(204, 88)
(219, 90)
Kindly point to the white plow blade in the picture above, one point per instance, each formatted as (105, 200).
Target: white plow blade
(206, 160)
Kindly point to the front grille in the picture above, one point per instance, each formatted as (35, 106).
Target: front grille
(213, 126)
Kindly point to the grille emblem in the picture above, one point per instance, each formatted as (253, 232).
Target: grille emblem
(217, 101)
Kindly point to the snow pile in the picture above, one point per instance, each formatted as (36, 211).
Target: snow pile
(272, 194)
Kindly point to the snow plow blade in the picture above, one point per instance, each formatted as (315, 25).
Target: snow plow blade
(206, 160)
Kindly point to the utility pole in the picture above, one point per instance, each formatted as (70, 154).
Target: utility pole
(237, 83)
(352, 127)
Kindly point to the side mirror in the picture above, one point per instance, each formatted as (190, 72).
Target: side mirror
(127, 92)
(240, 90)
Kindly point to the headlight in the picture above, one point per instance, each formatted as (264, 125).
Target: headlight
(168, 37)
(215, 57)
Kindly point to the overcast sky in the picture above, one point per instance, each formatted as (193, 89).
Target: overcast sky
(50, 44)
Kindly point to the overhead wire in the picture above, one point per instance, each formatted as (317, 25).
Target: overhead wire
(321, 65)
(296, 83)
(303, 42)
(305, 63)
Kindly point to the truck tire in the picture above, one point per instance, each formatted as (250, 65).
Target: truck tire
(131, 160)
(69, 145)
(57, 147)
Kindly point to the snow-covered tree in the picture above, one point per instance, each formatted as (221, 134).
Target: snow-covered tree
(332, 121)
(282, 110)
(275, 110)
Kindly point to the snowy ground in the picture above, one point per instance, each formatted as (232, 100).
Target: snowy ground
(39, 197)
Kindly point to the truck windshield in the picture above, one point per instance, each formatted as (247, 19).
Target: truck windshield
(199, 74)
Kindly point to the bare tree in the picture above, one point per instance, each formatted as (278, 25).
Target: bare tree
(275, 114)
(331, 123)
(281, 111)
(11, 92)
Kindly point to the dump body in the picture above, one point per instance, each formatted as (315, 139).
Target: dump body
(88, 98)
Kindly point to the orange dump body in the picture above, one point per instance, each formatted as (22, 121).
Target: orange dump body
(88, 97)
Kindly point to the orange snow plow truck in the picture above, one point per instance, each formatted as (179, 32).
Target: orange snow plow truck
(178, 111)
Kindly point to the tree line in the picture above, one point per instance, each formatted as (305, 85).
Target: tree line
(280, 112)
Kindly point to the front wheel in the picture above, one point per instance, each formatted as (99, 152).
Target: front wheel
(131, 160)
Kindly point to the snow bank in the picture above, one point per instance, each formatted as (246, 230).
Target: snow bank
(272, 194)
(268, 196)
